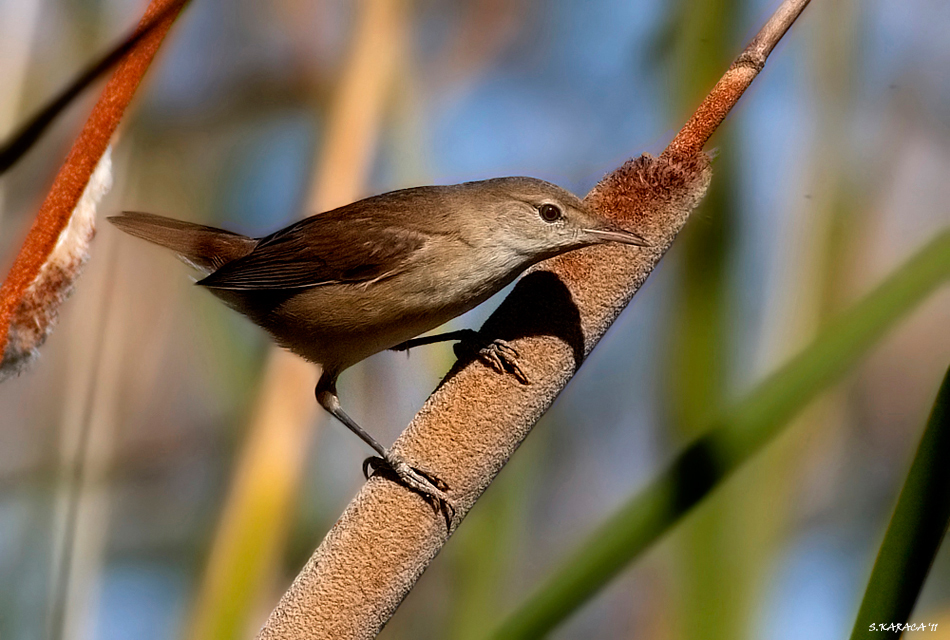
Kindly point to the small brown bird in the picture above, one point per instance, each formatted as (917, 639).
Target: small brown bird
(340, 286)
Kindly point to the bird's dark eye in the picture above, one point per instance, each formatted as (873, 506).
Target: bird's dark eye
(549, 213)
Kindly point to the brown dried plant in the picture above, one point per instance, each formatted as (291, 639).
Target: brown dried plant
(45, 270)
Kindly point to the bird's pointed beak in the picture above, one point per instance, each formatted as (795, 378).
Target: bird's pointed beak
(617, 235)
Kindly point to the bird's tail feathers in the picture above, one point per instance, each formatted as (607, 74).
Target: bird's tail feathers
(206, 248)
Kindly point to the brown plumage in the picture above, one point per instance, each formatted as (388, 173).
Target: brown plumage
(340, 286)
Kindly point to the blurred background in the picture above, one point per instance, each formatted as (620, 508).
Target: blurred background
(164, 472)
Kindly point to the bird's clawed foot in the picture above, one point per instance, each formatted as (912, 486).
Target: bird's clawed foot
(426, 485)
(498, 354)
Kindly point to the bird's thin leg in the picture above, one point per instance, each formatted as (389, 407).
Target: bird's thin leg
(461, 335)
(429, 487)
(331, 402)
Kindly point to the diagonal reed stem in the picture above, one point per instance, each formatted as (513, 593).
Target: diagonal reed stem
(914, 533)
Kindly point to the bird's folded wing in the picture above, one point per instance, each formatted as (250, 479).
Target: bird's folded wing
(317, 251)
